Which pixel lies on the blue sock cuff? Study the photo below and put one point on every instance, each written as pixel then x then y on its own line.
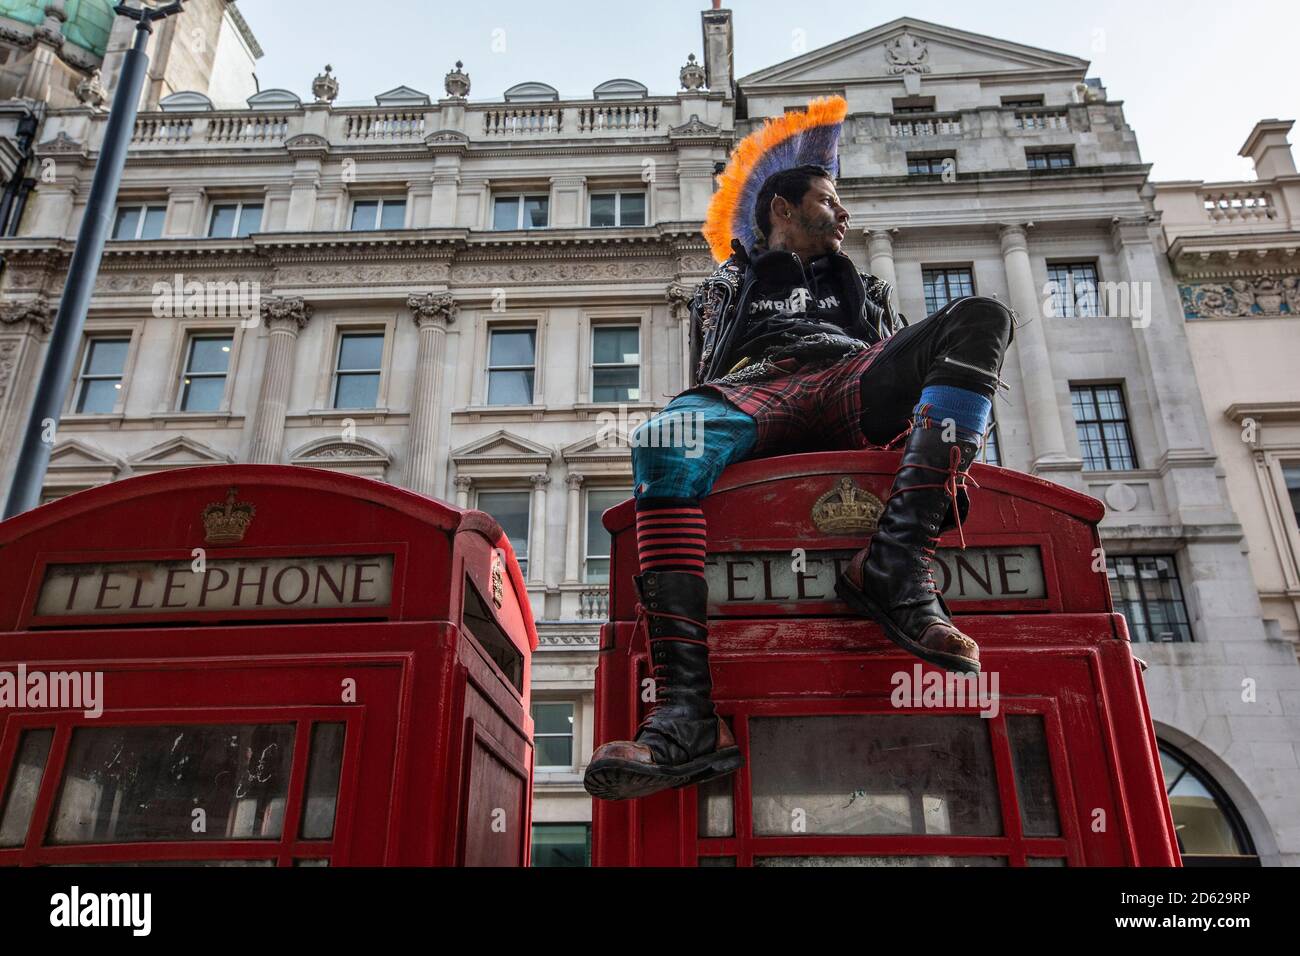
pixel 969 410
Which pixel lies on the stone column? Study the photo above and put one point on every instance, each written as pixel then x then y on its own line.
pixel 463 484
pixel 537 533
pixel 432 313
pixel 284 318
pixel 1045 431
pixel 880 258
pixel 1161 342
pixel 573 529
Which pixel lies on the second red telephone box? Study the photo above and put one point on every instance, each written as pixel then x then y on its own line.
pixel 259 665
pixel 858 753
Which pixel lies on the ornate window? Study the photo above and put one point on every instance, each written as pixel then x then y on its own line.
pixel 1291 475
pixel 512 366
pixel 521 212
pixel 618 209
pixel 1101 421
pixel 368 214
pixel 139 222
pixel 1049 158
pixel 235 220
pixel 991 452
pixel 616 363
pixel 357 369
pixel 930 165
pixel 1148 593
pixel 561 844
pixel 1074 289
pixel 512 510
pixel 203 381
pixel 1210 831
pixel 99 384
pixel 943 285
pixel 553 734
pixel 913 104
pixel 596 561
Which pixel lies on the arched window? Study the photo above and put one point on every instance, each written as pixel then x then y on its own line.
pixel 1210 830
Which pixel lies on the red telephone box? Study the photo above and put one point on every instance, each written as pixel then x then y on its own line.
pixel 857 753
pixel 262 665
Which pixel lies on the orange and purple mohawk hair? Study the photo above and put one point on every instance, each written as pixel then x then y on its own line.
pixel 811 136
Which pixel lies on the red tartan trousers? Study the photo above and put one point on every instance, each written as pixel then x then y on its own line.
pixel 811 407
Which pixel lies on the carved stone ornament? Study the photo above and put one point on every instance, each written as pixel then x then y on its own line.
pixel 907 54
pixel 37 311
pixel 433 305
pixel 679 300
pixel 339 450
pixel 1241 298
pixel 361 273
pixel 286 309
pixel 692 74
pixel 326 86
pixel 558 271
pixel 61 143
pixel 51 30
pixel 8 364
pixel 847 509
pixel 694 127
pixel 19 38
pixel 456 82
pixel 91 92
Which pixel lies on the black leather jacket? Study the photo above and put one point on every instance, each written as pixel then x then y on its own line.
pixel 718 311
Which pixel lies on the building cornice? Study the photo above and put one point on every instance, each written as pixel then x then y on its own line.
pixel 237 18
pixel 1263 411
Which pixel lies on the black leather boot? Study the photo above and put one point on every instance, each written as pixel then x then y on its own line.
pixel 892 579
pixel 682 740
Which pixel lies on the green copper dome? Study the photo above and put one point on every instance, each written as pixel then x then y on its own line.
pixel 87 26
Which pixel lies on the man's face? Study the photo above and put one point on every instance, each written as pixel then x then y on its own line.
pixel 818 224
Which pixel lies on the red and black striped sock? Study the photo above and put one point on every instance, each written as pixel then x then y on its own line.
pixel 670 534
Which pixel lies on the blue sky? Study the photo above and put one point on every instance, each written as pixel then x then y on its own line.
pixel 1194 75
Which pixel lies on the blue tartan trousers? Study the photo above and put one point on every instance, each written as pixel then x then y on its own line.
pixel 683 450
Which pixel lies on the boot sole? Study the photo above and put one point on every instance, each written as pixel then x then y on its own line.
pixel 864 605
pixel 614 779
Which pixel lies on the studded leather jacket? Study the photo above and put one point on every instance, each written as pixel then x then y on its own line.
pixel 719 314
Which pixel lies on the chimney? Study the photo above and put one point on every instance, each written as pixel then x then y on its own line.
pixel 718 68
pixel 1268 149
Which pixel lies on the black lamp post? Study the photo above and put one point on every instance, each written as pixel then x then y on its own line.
pixel 29 475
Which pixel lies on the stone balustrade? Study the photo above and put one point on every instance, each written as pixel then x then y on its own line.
pixel 1042 119
pixel 346 126
pixel 1239 205
pixel 935 125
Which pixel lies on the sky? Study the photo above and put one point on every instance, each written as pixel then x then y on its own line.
pixel 1194 75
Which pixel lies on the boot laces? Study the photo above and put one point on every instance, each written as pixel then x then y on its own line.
pixel 663 689
pixel 954 481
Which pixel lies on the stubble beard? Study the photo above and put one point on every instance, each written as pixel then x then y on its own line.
pixel 820 231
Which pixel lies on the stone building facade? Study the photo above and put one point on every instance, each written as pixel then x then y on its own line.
pixel 479 299
pixel 1233 247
